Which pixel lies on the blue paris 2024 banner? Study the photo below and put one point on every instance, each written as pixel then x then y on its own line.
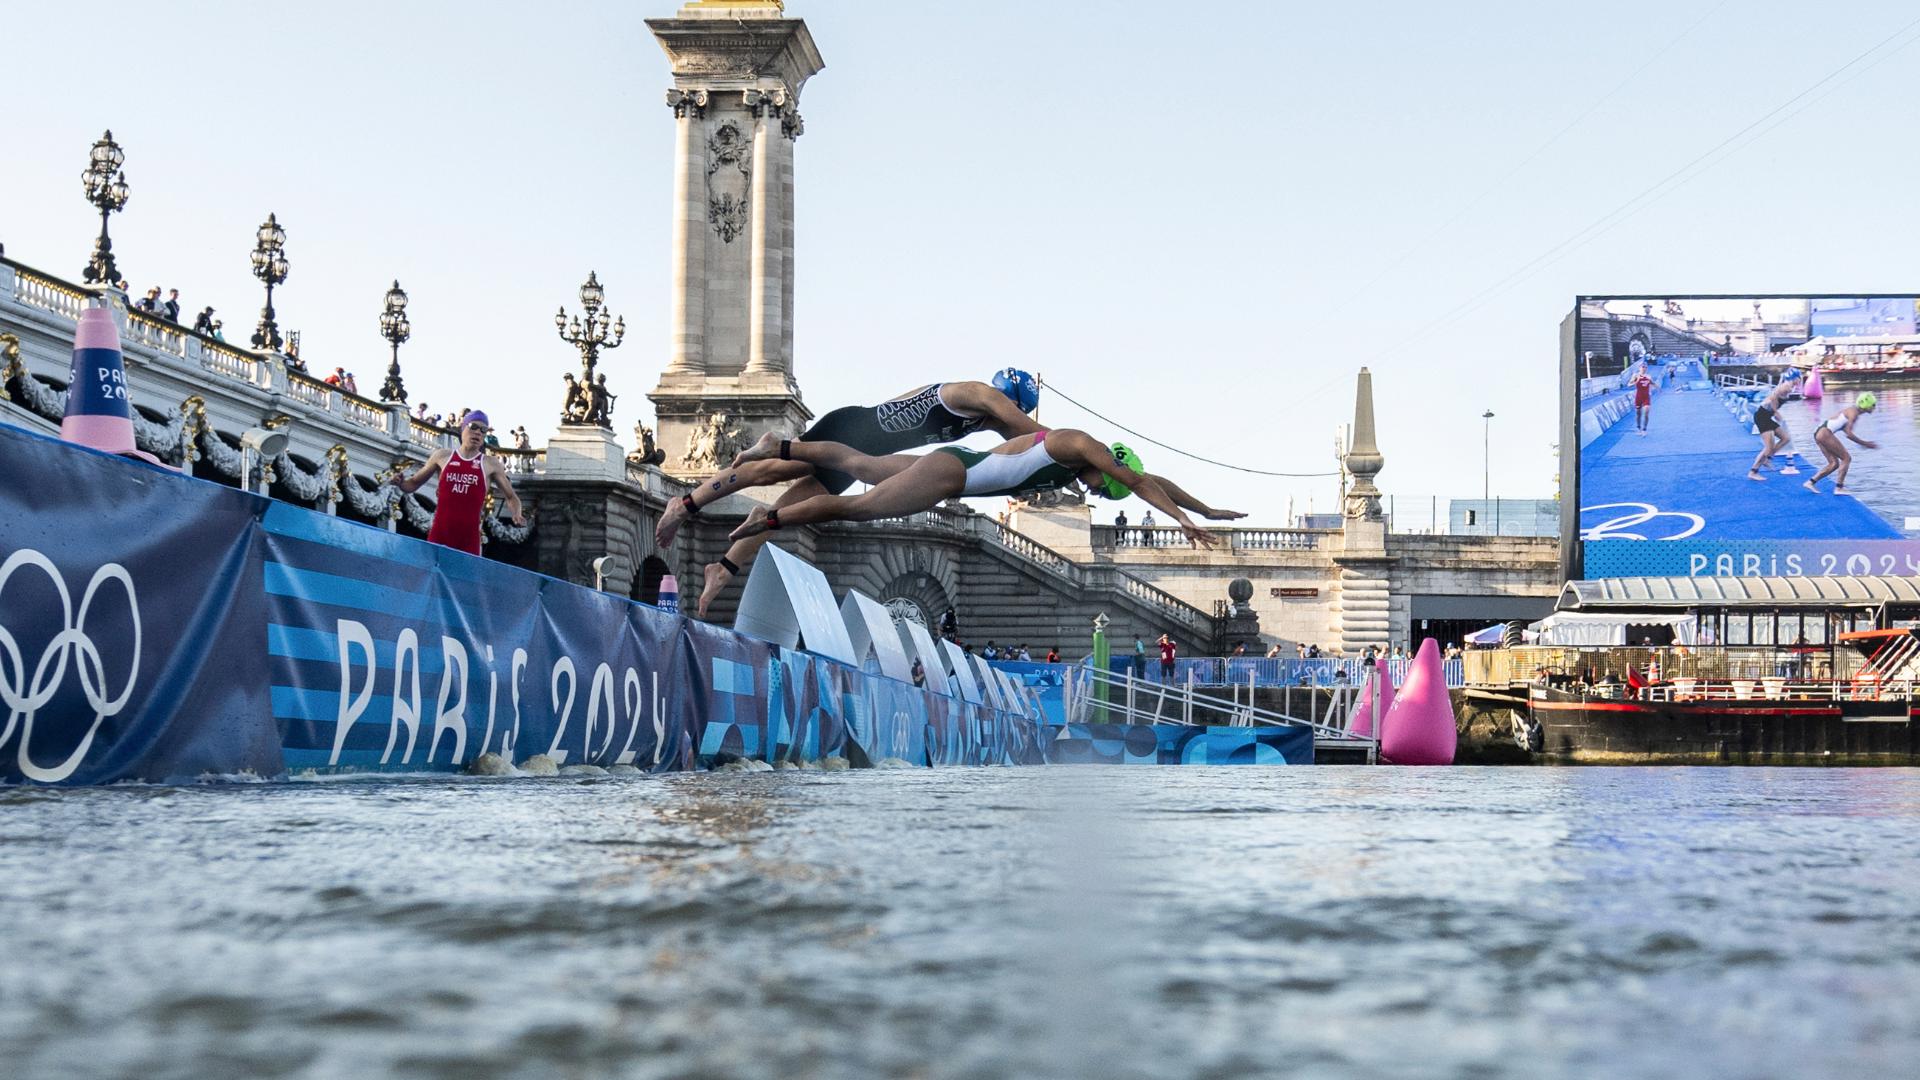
pixel 158 627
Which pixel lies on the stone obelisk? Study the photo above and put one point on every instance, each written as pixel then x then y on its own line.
pixel 738 66
pixel 1363 602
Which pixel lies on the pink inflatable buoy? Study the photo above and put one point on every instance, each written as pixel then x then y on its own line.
pixel 1813 389
pixel 1419 729
pixel 1361 722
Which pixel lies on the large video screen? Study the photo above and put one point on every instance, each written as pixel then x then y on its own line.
pixel 1754 436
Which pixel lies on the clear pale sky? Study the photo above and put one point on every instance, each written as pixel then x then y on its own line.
pixel 1200 219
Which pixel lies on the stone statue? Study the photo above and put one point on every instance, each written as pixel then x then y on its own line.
pixel 713 444
pixel 645 452
pixel 1071 495
pixel 599 403
pixel 578 403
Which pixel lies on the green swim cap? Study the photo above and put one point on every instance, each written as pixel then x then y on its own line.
pixel 1866 401
pixel 1122 455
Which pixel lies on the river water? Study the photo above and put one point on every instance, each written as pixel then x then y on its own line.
pixel 1072 922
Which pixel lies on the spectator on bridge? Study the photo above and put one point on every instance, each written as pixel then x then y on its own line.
pixel 521 441
pixel 338 378
pixel 1274 652
pixel 348 384
pixel 1147 521
pixel 919 672
pixel 217 335
pixel 149 303
pixel 993 651
pixel 1025 656
pixel 1053 655
pixel 1239 650
pixel 171 309
pixel 1139 657
pixel 1168 654
pixel 203 322
pixel 949 624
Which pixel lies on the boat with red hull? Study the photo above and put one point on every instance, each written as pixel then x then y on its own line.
pixel 1869 718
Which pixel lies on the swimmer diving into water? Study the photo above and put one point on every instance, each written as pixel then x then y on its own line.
pixel 1827 437
pixel 942 412
pixel 1043 461
pixel 939 413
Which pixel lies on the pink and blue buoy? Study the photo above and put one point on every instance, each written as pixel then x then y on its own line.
pixel 1419 730
pixel 1361 722
pixel 99 413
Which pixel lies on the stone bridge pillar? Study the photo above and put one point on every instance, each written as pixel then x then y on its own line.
pixel 738 67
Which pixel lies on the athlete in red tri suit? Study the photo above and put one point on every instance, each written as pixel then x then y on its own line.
pixel 1642 401
pixel 462 493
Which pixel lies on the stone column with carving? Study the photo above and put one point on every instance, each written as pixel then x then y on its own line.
pixel 688 347
pixel 766 226
pixel 733 241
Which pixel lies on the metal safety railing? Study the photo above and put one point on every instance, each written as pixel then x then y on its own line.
pixel 1091 695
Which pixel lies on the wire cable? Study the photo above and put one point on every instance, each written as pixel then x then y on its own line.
pixel 1183 453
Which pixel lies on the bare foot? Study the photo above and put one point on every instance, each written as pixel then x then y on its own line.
pixel 717 578
pixel 1841 491
pixel 670 522
pixel 1788 470
pixel 1809 486
pixel 1754 474
pixel 755 524
pixel 767 446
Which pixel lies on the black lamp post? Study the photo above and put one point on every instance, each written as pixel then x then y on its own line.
pixel 106 188
pixel 396 329
pixel 596 331
pixel 270 266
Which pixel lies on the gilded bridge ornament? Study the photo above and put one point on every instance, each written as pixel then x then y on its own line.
pixel 10 352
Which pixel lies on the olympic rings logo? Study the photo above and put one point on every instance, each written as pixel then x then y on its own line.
pixel 1616 528
pixel 25 692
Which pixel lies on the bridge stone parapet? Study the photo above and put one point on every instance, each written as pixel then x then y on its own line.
pixel 193 396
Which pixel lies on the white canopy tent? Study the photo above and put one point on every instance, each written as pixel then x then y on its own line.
pixel 1606 628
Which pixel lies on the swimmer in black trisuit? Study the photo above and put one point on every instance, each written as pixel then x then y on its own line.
pixel 940 413
pixel 1827 437
pixel 1043 461
pixel 1774 436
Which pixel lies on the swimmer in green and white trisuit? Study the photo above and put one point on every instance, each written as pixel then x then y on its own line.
pixel 1827 437
pixel 1043 461
pixel 1774 436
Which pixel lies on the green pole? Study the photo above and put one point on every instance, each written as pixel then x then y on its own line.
pixel 1100 665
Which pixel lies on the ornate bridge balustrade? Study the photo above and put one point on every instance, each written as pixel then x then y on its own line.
pixel 194 395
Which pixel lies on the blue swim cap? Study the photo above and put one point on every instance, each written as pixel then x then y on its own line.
pixel 1020 388
pixel 1790 374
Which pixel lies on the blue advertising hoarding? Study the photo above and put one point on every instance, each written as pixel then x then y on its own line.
pixel 158 627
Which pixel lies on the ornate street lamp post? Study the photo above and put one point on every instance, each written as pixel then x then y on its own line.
pixel 106 188
pixel 270 266
pixel 396 329
pixel 588 401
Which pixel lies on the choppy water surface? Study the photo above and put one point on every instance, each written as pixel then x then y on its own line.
pixel 1094 922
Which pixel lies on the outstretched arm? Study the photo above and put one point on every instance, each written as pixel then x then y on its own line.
pixel 1179 495
pixel 512 498
pixel 411 484
pixel 1081 449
